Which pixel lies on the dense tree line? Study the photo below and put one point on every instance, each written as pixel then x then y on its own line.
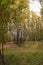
pixel 16 22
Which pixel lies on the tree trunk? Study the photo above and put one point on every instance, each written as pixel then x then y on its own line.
pixel 21 36
pixel 3 54
pixel 17 40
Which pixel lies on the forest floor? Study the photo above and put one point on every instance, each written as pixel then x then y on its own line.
pixel 28 46
pixel 30 53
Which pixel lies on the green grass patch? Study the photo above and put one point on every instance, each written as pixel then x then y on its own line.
pixel 18 56
pixel 24 58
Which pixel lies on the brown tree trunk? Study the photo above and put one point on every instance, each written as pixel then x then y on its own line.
pixel 21 36
pixel 3 63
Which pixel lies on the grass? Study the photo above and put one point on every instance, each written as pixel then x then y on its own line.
pixel 24 59
pixel 31 53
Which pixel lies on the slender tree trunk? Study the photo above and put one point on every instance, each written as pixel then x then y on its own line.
pixel 17 40
pixel 21 36
pixel 3 63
